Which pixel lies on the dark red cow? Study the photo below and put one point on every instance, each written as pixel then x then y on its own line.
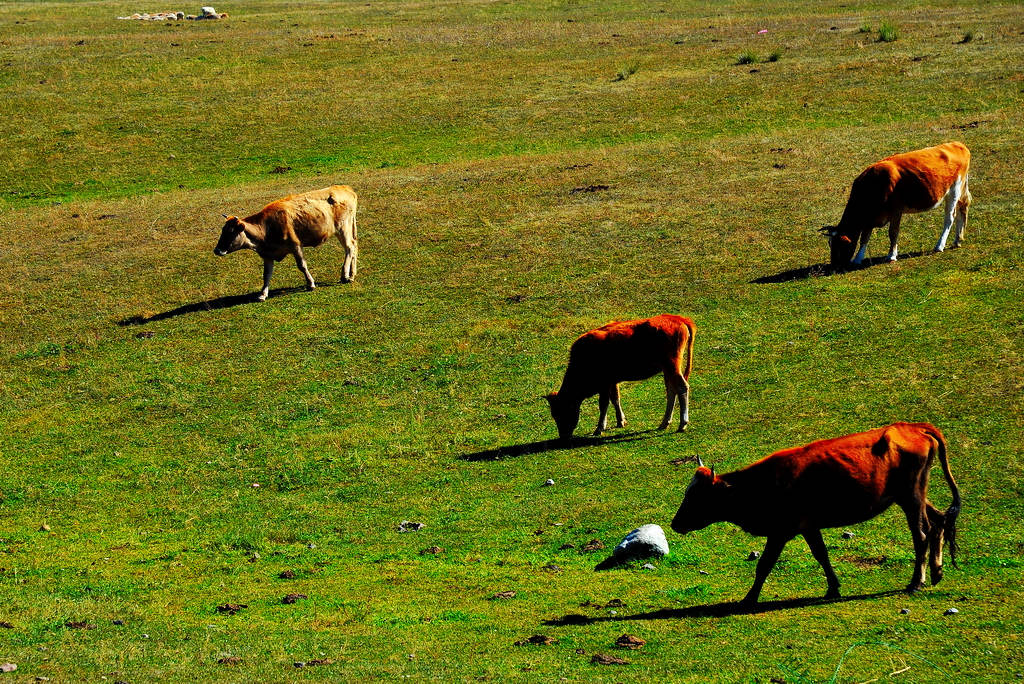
pixel 831 483
pixel 626 350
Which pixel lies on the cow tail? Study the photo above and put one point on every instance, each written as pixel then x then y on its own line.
pixel 690 329
pixel 949 517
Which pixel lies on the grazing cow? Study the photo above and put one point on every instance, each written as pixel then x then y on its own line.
pixel 625 350
pixel 286 226
pixel 831 483
pixel 903 184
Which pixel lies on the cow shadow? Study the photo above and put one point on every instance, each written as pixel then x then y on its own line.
pixel 717 609
pixel 825 270
pixel 226 302
pixel 525 449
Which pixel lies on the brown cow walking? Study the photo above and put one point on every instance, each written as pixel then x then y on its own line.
pixel 625 350
pixel 831 483
pixel 905 183
pixel 286 226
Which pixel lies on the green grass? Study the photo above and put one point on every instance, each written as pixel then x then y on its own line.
pixel 141 398
pixel 888 32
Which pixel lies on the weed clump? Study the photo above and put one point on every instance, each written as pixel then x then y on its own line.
pixel 747 58
pixel 970 35
pixel 887 32
pixel 626 71
pixel 775 55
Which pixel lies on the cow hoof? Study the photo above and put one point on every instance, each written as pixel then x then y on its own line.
pixel 892 260
pixel 914 587
pixel 682 428
pixel 832 594
pixel 345 280
pixel 261 297
pixel 663 426
pixel 936 576
pixel 621 424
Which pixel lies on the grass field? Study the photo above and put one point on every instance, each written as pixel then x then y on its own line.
pixel 144 396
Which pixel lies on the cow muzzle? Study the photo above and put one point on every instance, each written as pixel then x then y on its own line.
pixel 219 252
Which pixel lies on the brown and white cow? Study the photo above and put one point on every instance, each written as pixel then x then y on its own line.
pixel 625 350
pixel 286 226
pixel 831 483
pixel 905 183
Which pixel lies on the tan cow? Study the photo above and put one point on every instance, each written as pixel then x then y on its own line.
pixel 905 183
pixel 286 226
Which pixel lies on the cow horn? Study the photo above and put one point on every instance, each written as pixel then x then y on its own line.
pixel 712 473
pixel 700 463
pixel 224 215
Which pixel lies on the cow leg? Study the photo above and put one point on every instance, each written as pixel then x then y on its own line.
pixel 772 549
pixel 894 234
pixel 952 201
pixel 918 522
pixel 300 261
pixel 602 420
pixel 620 417
pixel 937 523
pixel 820 554
pixel 348 270
pixel 865 235
pixel 671 392
pixel 961 215
pixel 268 270
pixel 684 403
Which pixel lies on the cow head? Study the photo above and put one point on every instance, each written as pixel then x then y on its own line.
pixel 566 414
pixel 840 247
pixel 700 503
pixel 232 237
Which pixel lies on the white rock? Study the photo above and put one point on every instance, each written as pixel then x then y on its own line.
pixel 648 540
pixel 548 482
pixel 648 566
pixel 951 611
pixel 8 667
pixel 848 535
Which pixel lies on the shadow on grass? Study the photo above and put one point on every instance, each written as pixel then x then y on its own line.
pixel 716 610
pixel 823 270
pixel 213 304
pixel 554 445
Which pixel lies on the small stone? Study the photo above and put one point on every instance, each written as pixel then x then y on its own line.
pixel 431 551
pixel 592 545
pixel 904 611
pixel 118 622
pixel 4 624
pixel 8 667
pixel 848 535
pixel 286 574
pixel 310 546
pixel 615 603
pixel 253 557
pixel 299 663
pixel 601 659
pixel 754 555
pixel 503 595
pixel 548 482
pixel 410 526
pixel 292 598
pixel 951 611
pixel 80 624
pixel 41 678
pixel 551 567
pixel 566 547
pixel 145 636
pixel 648 566
pixel 230 660
pixel 704 572
pixel 255 485
pixel 44 528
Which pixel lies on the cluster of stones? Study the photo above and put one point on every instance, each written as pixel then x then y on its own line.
pixel 204 13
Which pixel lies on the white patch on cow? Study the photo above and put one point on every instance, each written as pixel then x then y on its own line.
pixel 861 253
pixel 952 198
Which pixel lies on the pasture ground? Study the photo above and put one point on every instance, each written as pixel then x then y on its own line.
pixel 143 398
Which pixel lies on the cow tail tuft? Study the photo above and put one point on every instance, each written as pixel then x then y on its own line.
pixel 950 516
